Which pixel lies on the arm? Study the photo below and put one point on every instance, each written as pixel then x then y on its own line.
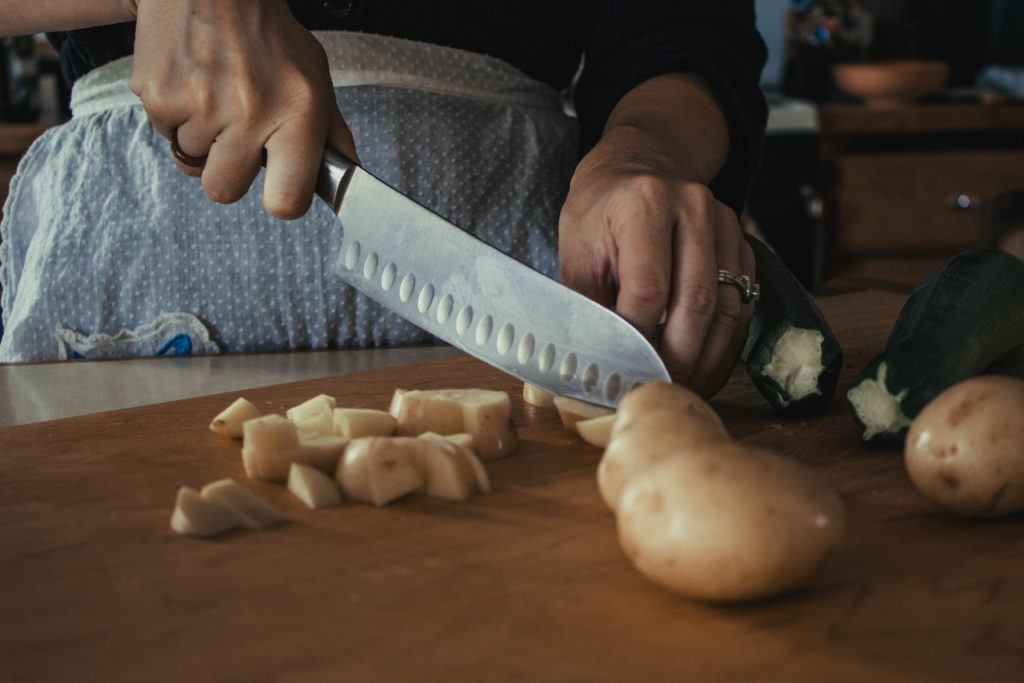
pixel 25 17
pixel 641 231
pixel 671 117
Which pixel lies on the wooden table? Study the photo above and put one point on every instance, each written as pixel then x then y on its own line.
pixel 525 584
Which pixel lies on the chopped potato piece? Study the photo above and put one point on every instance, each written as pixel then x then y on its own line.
pixel 251 510
pixel 269 445
pixel 322 452
pixel 596 430
pixel 314 406
pixel 313 487
pixel 270 433
pixel 229 421
pixel 197 516
pixel 536 396
pixel 485 414
pixel 447 472
pixel 572 410
pixel 355 422
pixel 380 469
pixel 319 424
pixel 463 440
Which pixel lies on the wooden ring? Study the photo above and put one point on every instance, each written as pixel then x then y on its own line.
pixel 187 160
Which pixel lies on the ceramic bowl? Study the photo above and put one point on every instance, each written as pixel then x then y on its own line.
pixel 893 83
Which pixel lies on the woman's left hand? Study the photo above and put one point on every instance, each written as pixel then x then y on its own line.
pixel 636 234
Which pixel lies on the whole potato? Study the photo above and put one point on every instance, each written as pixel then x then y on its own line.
pixel 653 420
pixel 965 450
pixel 728 522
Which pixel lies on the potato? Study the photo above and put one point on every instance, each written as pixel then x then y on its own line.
pixel 355 422
pixel 485 414
pixel 965 449
pixel 596 431
pixel 660 419
pixel 728 523
pixel 571 411
pixel 272 443
pixel 536 396
pixel 705 516
pixel 447 471
pixel 197 516
pixel 322 451
pixel 313 487
pixel 251 510
pixel 229 421
pixel 380 469
pixel 465 441
pixel 314 406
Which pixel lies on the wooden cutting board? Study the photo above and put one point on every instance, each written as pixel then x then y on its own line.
pixel 526 584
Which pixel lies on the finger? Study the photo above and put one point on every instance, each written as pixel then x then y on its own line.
pixel 731 319
pixel 232 165
pixel 716 380
pixel 694 300
pixel 294 153
pixel 339 136
pixel 194 139
pixel 645 267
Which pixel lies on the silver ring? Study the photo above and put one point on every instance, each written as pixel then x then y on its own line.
pixel 749 291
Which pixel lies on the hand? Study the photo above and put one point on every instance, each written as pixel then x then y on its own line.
pixel 234 78
pixel 650 245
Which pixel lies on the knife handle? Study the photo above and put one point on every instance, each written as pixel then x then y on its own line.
pixel 335 172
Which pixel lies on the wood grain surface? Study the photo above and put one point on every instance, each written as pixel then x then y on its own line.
pixel 524 584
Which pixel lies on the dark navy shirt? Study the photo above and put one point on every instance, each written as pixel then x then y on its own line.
pixel 624 42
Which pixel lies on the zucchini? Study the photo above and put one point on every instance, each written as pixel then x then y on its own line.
pixel 791 354
pixel 966 315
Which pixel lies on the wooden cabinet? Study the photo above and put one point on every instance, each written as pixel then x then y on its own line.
pixel 906 188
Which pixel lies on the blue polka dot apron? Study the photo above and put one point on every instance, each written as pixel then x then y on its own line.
pixel 109 251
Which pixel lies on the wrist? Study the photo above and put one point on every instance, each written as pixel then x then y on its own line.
pixel 671 124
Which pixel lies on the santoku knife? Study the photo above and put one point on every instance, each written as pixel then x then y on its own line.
pixel 457 287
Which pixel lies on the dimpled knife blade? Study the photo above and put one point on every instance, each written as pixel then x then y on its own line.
pixel 457 287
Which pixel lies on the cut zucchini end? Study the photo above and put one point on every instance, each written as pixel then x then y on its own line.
pixel 796 364
pixel 879 411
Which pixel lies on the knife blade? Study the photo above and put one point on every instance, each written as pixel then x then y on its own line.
pixel 477 298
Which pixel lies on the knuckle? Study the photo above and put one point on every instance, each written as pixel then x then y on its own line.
pixel 648 291
pixel 699 299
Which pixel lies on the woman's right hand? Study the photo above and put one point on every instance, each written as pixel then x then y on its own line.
pixel 232 78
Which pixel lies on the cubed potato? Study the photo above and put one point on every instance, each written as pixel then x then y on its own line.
pixel 571 411
pixel 353 423
pixel 485 414
pixel 314 406
pixel 197 516
pixel 314 488
pixel 229 421
pixel 251 510
pixel 380 469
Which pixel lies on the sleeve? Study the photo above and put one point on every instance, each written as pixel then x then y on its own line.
pixel 633 40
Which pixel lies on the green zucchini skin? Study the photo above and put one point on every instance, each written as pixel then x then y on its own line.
pixel 784 306
pixel 966 315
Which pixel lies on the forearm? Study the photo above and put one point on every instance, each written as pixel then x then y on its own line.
pixel 24 17
pixel 672 124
